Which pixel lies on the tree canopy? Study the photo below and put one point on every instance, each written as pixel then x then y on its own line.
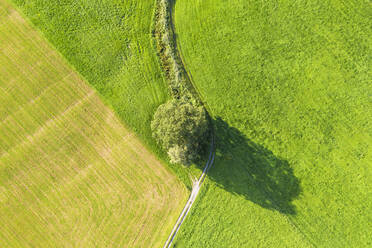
pixel 181 128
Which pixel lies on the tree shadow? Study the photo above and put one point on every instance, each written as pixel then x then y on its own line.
pixel 248 169
pixel 245 168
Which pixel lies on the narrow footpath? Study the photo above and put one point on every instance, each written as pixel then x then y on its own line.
pixel 194 193
pixel 197 184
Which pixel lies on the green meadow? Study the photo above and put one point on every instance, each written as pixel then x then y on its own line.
pixel 287 83
pixel 109 43
pixel 289 86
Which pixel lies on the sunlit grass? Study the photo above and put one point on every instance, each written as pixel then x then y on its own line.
pixel 290 81
pixel 110 44
pixel 71 175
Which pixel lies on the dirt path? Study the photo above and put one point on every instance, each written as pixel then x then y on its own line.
pixel 194 193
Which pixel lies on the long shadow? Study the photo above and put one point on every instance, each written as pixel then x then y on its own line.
pixel 248 169
pixel 245 168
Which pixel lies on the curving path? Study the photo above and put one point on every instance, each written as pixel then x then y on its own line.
pixel 197 184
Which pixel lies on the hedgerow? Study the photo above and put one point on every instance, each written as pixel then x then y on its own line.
pixel 182 150
pixel 179 84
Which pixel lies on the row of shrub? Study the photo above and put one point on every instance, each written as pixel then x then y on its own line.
pixel 181 125
pixel 179 84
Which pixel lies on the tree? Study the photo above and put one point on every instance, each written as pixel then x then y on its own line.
pixel 181 128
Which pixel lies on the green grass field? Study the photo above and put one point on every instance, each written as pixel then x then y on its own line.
pixel 71 175
pixel 289 83
pixel 110 44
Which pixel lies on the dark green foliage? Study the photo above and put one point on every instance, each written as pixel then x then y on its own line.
pixel 166 50
pixel 163 32
pixel 181 128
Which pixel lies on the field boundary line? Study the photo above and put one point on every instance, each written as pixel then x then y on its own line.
pixel 180 84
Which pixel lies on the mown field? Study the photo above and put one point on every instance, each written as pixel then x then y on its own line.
pixel 289 84
pixel 110 44
pixel 71 175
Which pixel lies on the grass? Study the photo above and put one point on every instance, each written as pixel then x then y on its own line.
pixel 288 83
pixel 71 175
pixel 111 45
